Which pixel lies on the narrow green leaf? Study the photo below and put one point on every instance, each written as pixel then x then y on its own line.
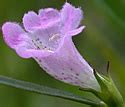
pixel 45 90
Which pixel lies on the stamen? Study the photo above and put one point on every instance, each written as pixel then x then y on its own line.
pixel 54 37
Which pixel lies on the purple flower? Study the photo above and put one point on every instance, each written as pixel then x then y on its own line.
pixel 47 38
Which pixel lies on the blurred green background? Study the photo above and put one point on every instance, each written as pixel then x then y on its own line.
pixel 103 40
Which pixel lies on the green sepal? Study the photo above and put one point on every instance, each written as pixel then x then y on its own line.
pixel 109 93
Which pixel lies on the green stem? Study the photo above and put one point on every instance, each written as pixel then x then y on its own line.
pixel 46 90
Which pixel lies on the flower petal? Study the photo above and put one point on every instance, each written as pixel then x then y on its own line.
pixel 30 20
pixel 34 53
pixel 71 16
pixel 48 15
pixel 75 32
pixel 12 32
